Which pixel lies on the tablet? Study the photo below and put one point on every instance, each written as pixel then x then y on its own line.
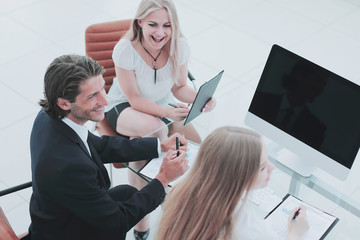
pixel 205 93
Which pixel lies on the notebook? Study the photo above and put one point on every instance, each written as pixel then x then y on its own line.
pixel 205 93
pixel 320 222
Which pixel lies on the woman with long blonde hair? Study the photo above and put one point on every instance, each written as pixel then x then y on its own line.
pixel 151 65
pixel 210 202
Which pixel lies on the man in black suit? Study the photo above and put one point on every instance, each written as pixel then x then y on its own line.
pixel 72 198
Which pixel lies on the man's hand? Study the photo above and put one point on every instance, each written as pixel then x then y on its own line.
pixel 172 167
pixel 170 143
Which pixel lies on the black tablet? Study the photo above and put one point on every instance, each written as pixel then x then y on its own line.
pixel 205 93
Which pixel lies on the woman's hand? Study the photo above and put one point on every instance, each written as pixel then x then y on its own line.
pixel 177 113
pixel 210 105
pixel 298 227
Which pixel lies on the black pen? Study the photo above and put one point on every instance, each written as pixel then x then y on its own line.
pixel 177 147
pixel 173 105
pixel 295 215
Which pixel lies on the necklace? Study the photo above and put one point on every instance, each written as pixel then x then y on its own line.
pixel 154 58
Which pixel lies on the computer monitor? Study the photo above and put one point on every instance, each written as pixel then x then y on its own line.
pixel 311 112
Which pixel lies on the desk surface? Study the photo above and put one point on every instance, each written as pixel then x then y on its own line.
pixel 323 192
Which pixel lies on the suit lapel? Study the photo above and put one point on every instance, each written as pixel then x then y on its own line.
pixel 97 160
pixel 94 157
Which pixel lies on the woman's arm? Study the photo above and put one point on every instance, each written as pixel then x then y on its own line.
pixel 127 82
pixel 182 91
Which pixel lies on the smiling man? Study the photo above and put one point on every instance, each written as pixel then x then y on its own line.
pixel 72 198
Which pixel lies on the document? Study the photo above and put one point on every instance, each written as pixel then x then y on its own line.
pixel 320 222
pixel 153 167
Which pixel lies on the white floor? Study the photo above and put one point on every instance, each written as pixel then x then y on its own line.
pixel 234 35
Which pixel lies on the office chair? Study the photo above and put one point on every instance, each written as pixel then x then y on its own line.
pixel 6 231
pixel 100 40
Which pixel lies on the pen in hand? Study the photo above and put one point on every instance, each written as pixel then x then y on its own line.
pixel 295 215
pixel 173 105
pixel 177 146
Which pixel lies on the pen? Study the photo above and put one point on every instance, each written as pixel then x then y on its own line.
pixel 295 215
pixel 173 105
pixel 177 147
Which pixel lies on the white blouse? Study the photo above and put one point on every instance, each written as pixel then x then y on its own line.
pixel 126 57
pixel 250 227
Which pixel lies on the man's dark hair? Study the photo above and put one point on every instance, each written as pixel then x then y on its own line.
pixel 62 80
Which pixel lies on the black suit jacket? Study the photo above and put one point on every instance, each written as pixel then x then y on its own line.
pixel 70 198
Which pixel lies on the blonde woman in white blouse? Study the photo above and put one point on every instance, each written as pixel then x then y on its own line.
pixel 151 64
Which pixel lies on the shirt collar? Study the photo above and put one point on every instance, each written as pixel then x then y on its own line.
pixel 82 131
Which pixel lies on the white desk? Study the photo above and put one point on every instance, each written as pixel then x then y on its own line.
pixel 319 193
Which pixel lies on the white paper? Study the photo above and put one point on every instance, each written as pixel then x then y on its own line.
pixel 153 167
pixel 318 220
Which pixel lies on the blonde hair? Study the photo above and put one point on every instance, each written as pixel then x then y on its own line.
pixel 201 206
pixel 135 33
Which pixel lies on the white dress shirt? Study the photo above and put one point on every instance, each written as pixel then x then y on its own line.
pixel 251 227
pixel 80 130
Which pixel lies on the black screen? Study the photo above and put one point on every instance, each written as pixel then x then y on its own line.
pixel 310 103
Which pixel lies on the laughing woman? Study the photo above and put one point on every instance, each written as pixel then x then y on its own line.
pixel 151 64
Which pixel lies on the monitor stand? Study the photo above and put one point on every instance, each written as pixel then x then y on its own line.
pixel 292 161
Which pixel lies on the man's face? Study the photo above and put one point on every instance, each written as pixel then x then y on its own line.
pixel 90 103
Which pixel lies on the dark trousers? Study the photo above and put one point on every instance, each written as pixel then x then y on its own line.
pixel 119 193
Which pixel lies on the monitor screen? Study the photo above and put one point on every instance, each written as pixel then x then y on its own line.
pixel 315 106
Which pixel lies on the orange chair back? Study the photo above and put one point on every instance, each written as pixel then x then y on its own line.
pixel 100 40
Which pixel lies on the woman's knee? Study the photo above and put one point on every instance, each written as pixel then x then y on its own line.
pixel 150 125
pixel 135 124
